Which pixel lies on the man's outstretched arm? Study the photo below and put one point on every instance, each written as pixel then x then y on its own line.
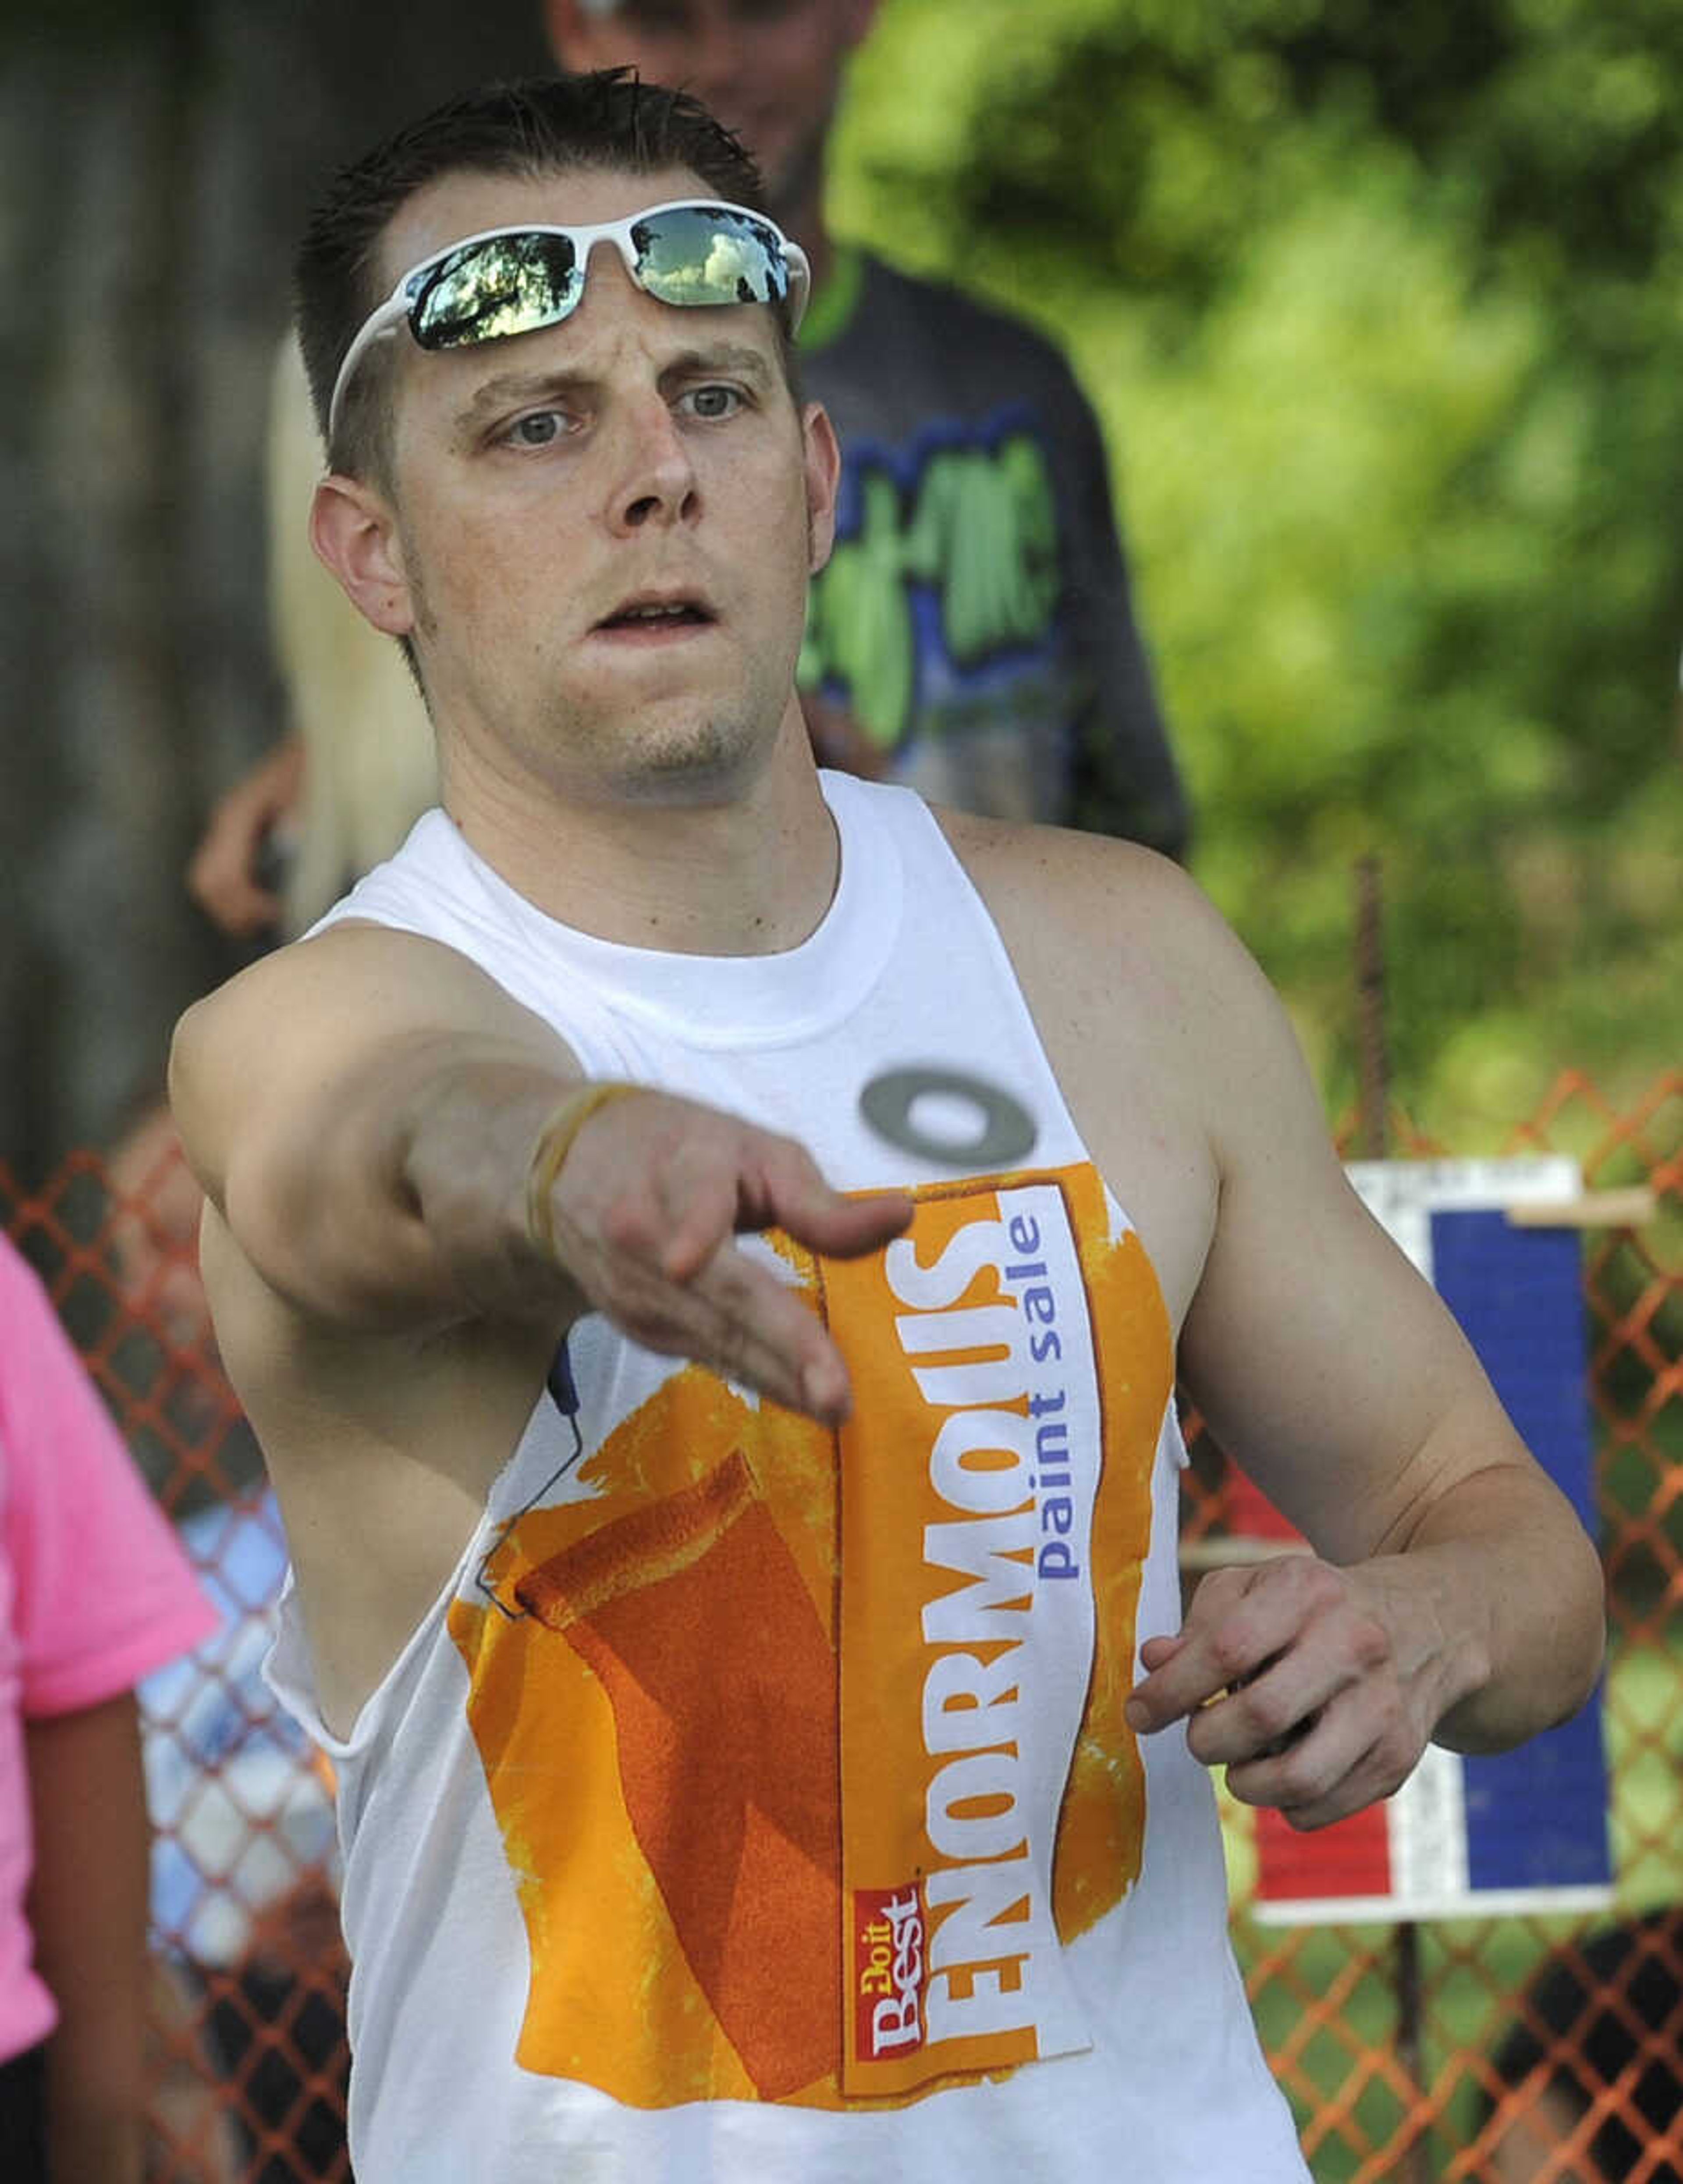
pixel 376 1123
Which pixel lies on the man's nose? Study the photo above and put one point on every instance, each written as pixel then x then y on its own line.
pixel 655 479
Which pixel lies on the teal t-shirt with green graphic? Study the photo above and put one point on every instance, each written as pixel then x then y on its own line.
pixel 974 629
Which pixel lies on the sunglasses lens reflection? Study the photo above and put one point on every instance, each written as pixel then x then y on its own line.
pixel 510 284
pixel 516 283
pixel 699 256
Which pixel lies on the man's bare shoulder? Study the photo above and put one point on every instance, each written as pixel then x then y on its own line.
pixel 316 1009
pixel 357 973
pixel 1067 876
pixel 1111 923
pixel 1147 1008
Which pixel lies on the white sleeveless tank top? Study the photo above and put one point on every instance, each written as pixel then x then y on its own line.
pixel 755 1804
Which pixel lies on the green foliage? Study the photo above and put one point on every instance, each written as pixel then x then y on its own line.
pixel 1382 309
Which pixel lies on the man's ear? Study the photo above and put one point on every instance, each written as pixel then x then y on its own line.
pixel 823 476
pixel 355 535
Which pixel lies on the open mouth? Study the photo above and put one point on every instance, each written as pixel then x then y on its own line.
pixel 655 617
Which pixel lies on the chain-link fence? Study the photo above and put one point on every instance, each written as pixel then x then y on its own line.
pixel 1490 2049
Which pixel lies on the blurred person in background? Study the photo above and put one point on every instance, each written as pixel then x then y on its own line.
pixel 94 1593
pixel 1606 2014
pixel 975 636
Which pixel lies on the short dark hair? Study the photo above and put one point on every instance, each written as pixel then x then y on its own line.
pixel 549 125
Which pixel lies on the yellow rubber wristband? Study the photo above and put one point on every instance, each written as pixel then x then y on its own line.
pixel 554 1143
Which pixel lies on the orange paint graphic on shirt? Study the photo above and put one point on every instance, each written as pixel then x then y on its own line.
pixel 807 1749
pixel 752 1775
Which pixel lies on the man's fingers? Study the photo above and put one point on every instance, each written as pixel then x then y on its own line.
pixel 1346 1758
pixel 851 1226
pixel 709 1177
pixel 1239 1623
pixel 645 1212
pixel 735 1317
pixel 798 1199
pixel 1287 1677
pixel 707 1208
pixel 1149 1706
pixel 1263 1713
pixel 1188 1673
pixel 760 1333
pixel 701 1212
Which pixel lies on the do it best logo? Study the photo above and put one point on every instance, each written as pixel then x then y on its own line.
pixel 888 1958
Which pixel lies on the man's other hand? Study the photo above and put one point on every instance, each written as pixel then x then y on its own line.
pixel 1314 1686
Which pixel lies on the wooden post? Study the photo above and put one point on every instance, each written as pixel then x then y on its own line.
pixel 1373 1053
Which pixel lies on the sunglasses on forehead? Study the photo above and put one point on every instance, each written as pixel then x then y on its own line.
pixel 693 252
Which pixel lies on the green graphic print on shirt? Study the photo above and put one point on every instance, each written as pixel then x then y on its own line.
pixel 944 581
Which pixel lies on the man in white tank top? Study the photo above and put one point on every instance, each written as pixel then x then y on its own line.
pixel 732 1522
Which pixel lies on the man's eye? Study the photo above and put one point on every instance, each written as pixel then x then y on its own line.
pixel 539 430
pixel 714 401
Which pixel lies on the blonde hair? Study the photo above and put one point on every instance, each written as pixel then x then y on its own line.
pixel 370 764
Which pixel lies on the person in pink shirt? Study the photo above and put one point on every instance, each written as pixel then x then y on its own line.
pixel 94 1592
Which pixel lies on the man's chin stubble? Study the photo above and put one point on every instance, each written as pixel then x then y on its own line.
pixel 706 763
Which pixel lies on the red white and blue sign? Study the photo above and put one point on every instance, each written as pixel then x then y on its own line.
pixel 1525 1830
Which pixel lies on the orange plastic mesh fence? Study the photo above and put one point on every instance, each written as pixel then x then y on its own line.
pixel 1462 2050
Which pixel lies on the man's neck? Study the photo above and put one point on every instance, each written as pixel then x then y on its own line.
pixel 751 875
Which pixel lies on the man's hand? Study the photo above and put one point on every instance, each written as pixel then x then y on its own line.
pixel 1318 1688
pixel 223 877
pixel 645 1213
